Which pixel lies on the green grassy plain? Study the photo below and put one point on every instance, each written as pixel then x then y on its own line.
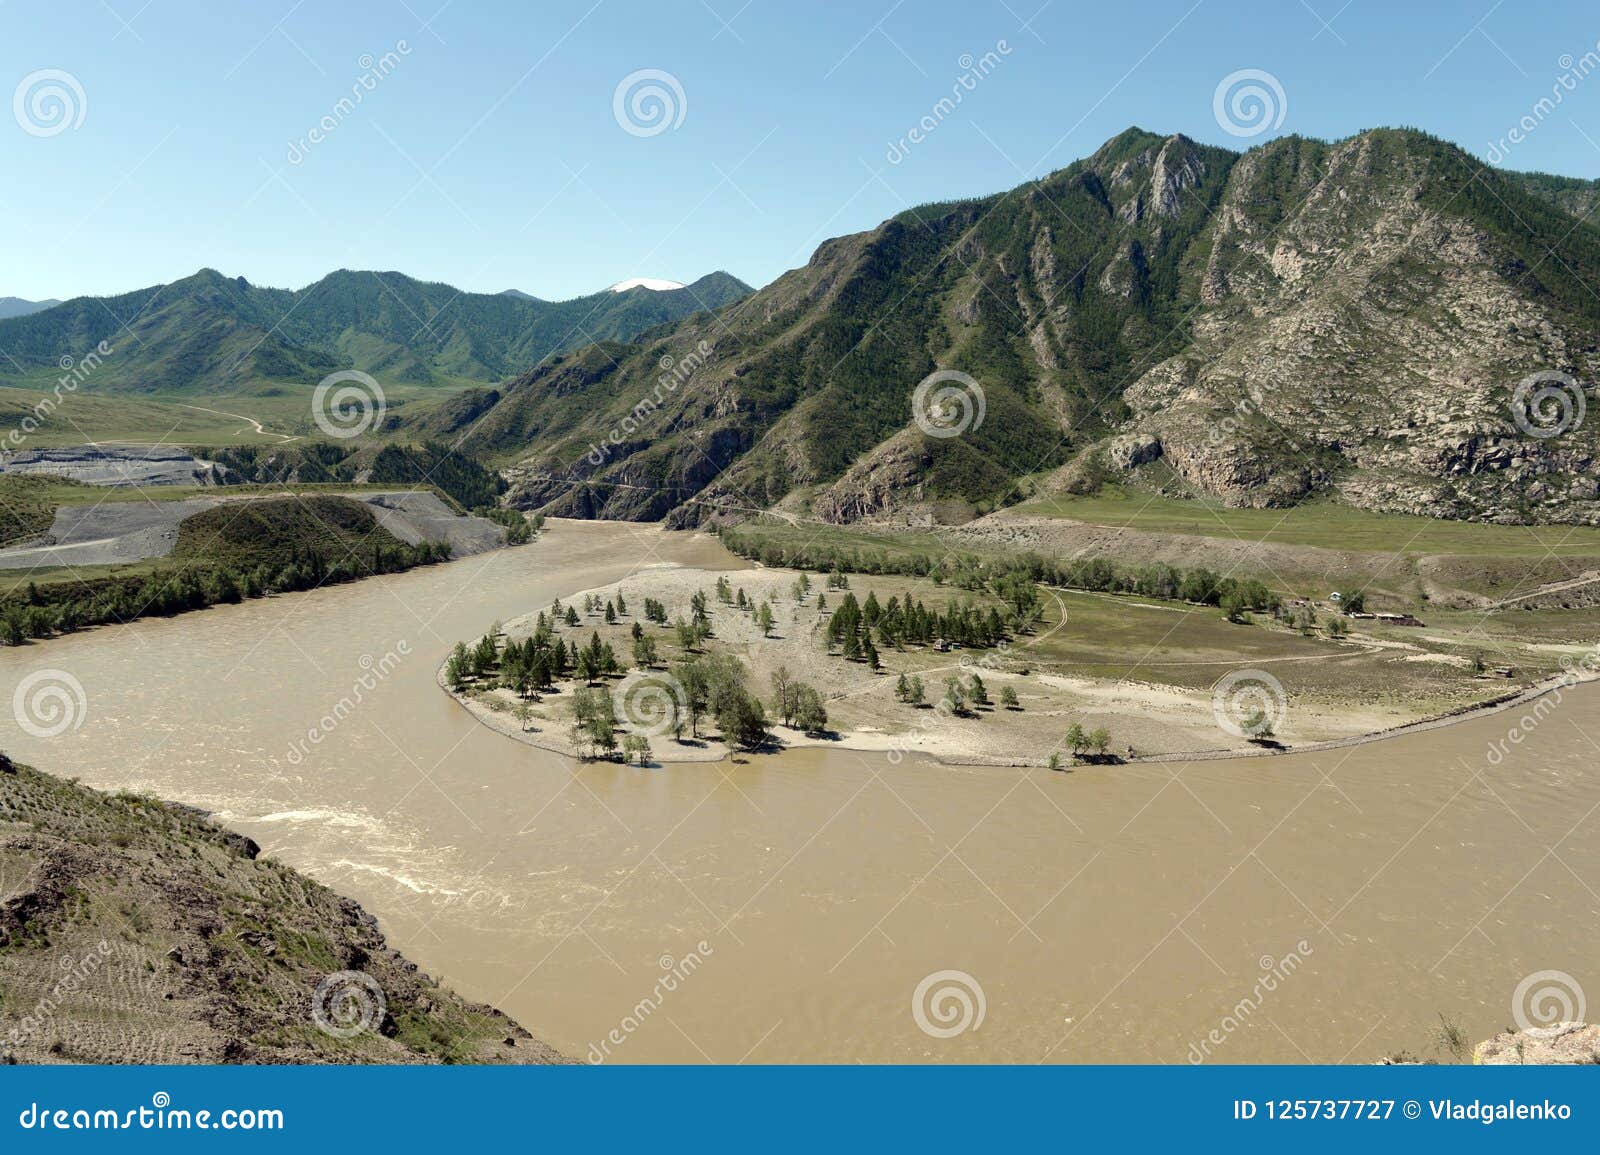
pixel 1323 524
pixel 283 410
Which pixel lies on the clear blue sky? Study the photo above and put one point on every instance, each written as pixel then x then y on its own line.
pixel 490 157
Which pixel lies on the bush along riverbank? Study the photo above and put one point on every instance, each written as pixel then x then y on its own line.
pixel 223 556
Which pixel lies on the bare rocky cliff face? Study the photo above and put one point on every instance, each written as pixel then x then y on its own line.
pixel 1372 346
pixel 1382 320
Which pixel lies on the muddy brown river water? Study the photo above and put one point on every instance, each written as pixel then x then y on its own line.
pixel 1326 907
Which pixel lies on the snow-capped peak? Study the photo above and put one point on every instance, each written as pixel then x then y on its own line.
pixel 656 283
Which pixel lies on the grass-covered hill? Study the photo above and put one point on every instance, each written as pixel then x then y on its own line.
pixel 211 334
pixel 461 478
pixel 1345 319
pixel 138 931
pixel 281 542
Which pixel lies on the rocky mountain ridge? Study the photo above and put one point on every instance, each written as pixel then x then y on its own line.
pixel 1365 319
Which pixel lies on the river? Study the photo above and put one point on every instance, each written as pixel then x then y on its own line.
pixel 1319 907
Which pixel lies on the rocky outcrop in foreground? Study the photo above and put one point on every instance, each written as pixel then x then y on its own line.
pixel 138 931
pixel 1564 1043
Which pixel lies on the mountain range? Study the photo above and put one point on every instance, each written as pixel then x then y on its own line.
pixel 208 333
pixel 1347 320
pixel 18 307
